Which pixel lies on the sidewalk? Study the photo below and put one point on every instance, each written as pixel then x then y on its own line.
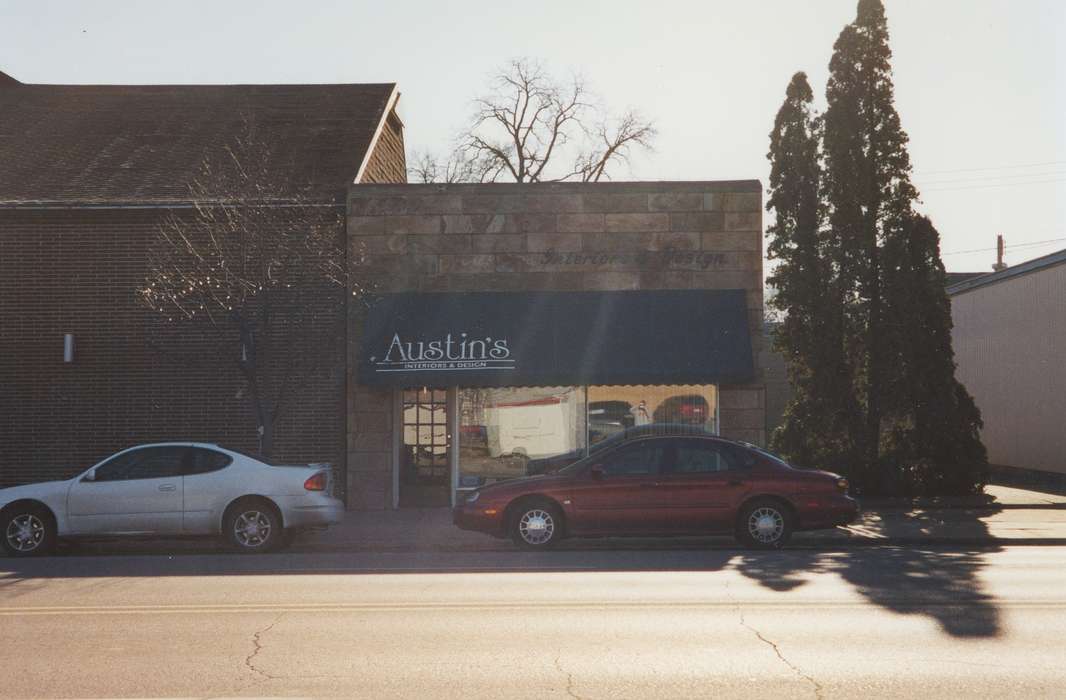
pixel 1006 516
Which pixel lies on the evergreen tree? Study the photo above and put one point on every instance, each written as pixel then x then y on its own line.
pixel 933 438
pixel 817 425
pixel 917 427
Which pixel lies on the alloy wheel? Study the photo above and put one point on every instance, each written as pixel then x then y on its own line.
pixel 252 529
pixel 536 526
pixel 766 525
pixel 25 532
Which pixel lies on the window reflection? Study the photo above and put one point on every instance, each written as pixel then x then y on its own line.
pixel 615 408
pixel 501 430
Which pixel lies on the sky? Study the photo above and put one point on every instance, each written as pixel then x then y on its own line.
pixel 980 84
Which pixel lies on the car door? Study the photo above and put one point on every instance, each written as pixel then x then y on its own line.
pixel 207 485
pixel 136 492
pixel 623 498
pixel 702 485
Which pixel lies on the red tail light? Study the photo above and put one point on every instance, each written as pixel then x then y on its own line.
pixel 318 482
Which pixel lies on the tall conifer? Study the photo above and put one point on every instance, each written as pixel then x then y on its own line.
pixel 817 425
pixel 870 355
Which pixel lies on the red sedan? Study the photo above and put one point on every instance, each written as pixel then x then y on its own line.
pixel 663 485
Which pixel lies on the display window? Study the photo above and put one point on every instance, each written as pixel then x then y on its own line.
pixel 505 433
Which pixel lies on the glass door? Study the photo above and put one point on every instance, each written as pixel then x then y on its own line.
pixel 425 453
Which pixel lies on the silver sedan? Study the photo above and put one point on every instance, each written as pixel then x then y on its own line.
pixel 171 489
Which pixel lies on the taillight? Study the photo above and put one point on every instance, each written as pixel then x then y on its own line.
pixel 318 482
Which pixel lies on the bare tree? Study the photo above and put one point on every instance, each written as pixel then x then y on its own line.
pixel 258 267
pixel 532 128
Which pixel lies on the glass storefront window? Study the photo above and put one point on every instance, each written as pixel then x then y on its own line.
pixel 502 430
pixel 512 432
pixel 611 409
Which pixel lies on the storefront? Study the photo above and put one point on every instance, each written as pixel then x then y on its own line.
pixel 469 367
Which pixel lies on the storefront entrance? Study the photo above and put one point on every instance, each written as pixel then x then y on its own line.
pixel 426 450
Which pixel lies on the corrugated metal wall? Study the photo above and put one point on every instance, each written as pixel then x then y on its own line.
pixel 1010 346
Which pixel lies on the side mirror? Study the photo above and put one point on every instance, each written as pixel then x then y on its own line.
pixel 89 475
pixel 596 472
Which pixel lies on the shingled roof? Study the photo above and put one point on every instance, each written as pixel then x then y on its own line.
pixel 141 144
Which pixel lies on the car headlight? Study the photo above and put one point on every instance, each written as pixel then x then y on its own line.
pixel 473 497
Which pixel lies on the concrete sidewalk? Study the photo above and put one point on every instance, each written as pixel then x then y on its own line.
pixel 1010 516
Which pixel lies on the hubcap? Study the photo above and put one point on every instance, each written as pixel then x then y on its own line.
pixel 25 532
pixel 766 525
pixel 536 526
pixel 251 528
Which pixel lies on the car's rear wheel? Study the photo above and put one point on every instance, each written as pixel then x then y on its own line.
pixel 536 524
pixel 252 525
pixel 27 531
pixel 765 524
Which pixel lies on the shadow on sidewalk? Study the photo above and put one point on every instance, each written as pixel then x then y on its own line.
pixel 941 583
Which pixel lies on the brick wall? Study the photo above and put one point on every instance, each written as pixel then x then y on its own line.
pixel 75 271
pixel 388 162
pixel 561 237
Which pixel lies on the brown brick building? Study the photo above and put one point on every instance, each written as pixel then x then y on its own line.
pixel 86 175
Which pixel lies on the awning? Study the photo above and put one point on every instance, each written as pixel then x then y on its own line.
pixel 557 338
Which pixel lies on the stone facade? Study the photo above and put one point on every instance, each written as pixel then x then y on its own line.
pixel 556 237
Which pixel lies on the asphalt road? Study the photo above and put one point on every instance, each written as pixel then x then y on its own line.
pixel 870 622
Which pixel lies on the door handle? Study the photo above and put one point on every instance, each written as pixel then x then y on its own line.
pixel 734 482
pixel 167 487
pixel 649 486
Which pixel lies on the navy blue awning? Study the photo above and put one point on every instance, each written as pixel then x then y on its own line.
pixel 557 338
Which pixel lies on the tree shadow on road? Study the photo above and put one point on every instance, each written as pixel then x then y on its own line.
pixel 904 576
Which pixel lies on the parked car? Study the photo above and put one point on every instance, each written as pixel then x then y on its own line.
pixel 663 485
pixel 691 409
pixel 171 489
pixel 550 465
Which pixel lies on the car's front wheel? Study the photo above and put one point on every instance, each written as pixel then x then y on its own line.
pixel 536 525
pixel 765 524
pixel 252 525
pixel 27 531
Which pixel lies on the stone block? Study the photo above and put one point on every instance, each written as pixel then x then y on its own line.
pixel 608 281
pixel 675 240
pixel 738 398
pixel 405 204
pixel 675 201
pixel 738 201
pixel 379 245
pixel 733 240
pixel 617 202
pixel 366 225
pixel 725 279
pixel 370 442
pixel 581 223
pixel 490 243
pixel 370 463
pixel 743 419
pixel 512 263
pixel 446 245
pixel 696 221
pixel 543 242
pixel 467 264
pixel 415 224
pixel 638 222
pixel 552 203
pixel 492 203
pixel 743 221
pixel 529 223
pixel 617 241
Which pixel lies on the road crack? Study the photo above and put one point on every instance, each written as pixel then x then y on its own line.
pixel 257 643
pixel 819 691
pixel 569 679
